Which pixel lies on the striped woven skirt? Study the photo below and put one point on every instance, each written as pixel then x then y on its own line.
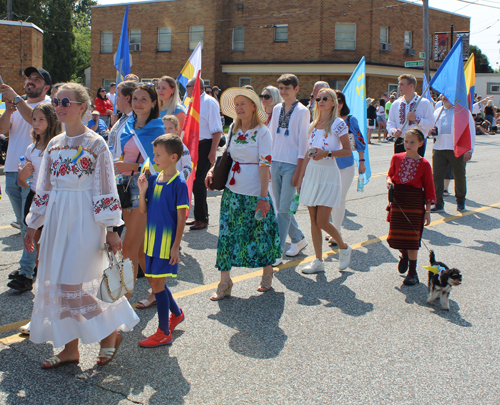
pixel 406 231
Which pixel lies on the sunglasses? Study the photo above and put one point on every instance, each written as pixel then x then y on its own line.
pixel 312 96
pixel 103 91
pixel 324 99
pixel 265 96
pixel 65 102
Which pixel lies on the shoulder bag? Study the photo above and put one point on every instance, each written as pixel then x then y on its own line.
pixel 222 167
pixel 124 191
pixel 352 141
pixel 117 279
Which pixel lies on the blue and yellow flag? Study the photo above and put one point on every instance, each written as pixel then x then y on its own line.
pixel 355 96
pixel 2 105
pixel 191 68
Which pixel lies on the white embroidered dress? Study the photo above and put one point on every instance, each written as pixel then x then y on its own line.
pixel 322 185
pixel 76 200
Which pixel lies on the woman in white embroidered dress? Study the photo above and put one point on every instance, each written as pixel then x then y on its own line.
pixel 76 200
pixel 321 185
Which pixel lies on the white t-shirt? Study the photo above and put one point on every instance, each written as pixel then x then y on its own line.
pixel 381 111
pixel 250 150
pixel 111 98
pixel 210 122
pixel 184 165
pixel 19 138
pixel 332 141
pixel 35 157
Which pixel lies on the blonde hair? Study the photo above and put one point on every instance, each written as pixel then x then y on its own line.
pixel 334 113
pixel 489 103
pixel 174 100
pixel 173 119
pixel 80 92
pixel 256 121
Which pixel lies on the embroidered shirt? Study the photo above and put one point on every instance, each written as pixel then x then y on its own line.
pixel 400 109
pixel 284 119
pixel 331 142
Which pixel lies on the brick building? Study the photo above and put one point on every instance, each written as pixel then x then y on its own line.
pixel 253 42
pixel 22 46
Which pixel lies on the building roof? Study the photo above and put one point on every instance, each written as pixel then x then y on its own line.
pixel 128 3
pixel 20 23
pixel 434 8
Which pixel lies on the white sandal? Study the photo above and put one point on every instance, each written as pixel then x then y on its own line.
pixel 55 362
pixel 25 330
pixel 109 353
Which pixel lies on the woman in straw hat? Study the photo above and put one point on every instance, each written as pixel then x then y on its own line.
pixel 321 185
pixel 248 232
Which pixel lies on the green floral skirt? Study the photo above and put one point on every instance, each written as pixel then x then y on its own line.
pixel 244 241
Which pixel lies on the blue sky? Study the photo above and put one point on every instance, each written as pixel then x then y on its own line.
pixel 485 22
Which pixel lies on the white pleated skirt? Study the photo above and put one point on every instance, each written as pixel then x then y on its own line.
pixel 322 185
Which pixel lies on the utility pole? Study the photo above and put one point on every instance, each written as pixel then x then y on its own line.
pixel 427 69
pixel 9 10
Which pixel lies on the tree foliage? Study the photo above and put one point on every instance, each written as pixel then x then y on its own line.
pixel 482 63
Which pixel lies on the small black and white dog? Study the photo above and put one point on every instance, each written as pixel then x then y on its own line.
pixel 440 283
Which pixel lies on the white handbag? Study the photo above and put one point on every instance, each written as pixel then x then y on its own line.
pixel 117 279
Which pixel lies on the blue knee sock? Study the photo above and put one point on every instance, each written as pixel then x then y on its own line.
pixel 162 304
pixel 174 308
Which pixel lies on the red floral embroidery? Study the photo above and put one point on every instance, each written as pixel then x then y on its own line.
pixel 108 203
pixel 85 163
pixel 402 112
pixel 408 169
pixel 41 200
pixel 63 166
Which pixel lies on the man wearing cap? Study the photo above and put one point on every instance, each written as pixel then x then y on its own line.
pixel 97 125
pixel 17 122
pixel 210 133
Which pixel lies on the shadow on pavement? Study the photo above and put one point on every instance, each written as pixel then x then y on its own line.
pixel 313 290
pixel 12 243
pixel 377 254
pixel 437 238
pixel 418 295
pixel 189 270
pixel 486 246
pixel 258 333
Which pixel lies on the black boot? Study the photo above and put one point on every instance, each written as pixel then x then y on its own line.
pixel 403 261
pixel 412 277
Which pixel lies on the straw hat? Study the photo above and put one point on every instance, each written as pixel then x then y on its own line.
pixel 95 112
pixel 227 102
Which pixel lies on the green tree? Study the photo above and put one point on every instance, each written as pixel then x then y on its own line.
pixel 82 44
pixel 482 63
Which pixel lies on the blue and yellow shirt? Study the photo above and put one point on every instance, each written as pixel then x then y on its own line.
pixel 164 199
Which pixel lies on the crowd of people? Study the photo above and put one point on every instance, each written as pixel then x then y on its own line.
pixel 86 180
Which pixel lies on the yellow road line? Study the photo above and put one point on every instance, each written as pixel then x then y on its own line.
pixel 254 274
pixel 7 227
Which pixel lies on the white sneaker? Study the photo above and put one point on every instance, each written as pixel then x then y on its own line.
pixel 278 261
pixel 295 248
pixel 25 330
pixel 315 267
pixel 15 225
pixel 345 258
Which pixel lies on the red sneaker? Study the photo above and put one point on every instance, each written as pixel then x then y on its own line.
pixel 173 321
pixel 158 339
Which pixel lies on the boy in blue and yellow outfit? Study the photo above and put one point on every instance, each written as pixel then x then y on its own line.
pixel 164 196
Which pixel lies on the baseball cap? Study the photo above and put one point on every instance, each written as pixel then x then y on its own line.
pixel 42 72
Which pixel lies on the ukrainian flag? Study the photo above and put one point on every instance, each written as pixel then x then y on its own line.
pixel 191 68
pixel 470 79
pixel 2 105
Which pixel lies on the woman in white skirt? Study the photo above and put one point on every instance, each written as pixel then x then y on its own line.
pixel 76 201
pixel 321 186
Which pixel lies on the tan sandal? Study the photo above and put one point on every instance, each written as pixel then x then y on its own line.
pixel 55 362
pixel 145 303
pixel 223 290
pixel 266 282
pixel 109 353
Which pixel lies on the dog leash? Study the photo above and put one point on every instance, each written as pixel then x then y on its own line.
pixel 422 240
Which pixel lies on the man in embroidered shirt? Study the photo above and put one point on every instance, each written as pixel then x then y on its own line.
pixel 210 133
pixel 443 155
pixel 289 128
pixel 422 117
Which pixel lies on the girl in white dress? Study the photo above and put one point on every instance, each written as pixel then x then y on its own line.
pixel 76 200
pixel 321 186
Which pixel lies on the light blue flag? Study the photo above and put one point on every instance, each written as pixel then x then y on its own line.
pixel 122 59
pixel 427 94
pixel 355 96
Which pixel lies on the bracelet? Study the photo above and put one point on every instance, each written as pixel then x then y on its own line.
pixel 262 198
pixel 110 229
pixel 361 160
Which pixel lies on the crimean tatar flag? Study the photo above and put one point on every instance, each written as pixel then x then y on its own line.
pixel 470 79
pixel 450 81
pixel 191 135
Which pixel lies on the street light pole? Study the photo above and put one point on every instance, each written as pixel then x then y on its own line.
pixel 9 9
pixel 427 69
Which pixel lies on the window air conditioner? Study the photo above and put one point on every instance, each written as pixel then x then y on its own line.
pixel 410 52
pixel 385 47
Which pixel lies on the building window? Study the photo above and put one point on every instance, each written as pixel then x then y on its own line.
pixel 337 84
pixel 107 82
pixel 384 35
pixel 281 33
pixel 408 39
pixel 164 40
pixel 391 88
pixel 493 88
pixel 106 41
pixel 134 39
pixel 243 81
pixel 195 36
pixel 206 82
pixel 238 38
pixel 345 36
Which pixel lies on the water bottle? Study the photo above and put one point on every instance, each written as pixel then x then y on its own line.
pixel 29 180
pixel 361 183
pixel 295 204
pixel 258 215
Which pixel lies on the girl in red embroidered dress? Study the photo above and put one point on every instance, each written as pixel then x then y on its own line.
pixel 411 177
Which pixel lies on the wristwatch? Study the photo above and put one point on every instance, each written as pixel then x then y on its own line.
pixel 329 154
pixel 17 100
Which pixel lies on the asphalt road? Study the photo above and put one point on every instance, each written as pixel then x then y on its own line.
pixel 357 337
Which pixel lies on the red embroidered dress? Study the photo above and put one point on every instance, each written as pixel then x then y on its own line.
pixel 76 200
